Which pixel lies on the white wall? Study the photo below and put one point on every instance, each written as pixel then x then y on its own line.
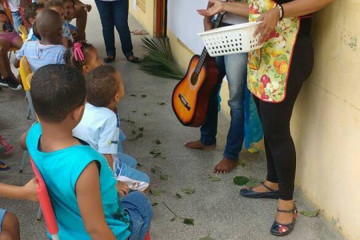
pixel 184 22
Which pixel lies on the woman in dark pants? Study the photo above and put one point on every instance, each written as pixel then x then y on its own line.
pixel 115 13
pixel 276 73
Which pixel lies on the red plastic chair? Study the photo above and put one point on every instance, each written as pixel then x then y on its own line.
pixel 45 204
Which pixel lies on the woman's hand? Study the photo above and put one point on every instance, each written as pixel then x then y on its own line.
pixel 214 7
pixel 269 21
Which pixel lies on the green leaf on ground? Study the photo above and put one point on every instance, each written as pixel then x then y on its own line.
pixel 314 213
pixel 241 163
pixel 140 135
pixel 214 178
pixel 134 111
pixel 141 129
pixel 173 219
pixel 240 180
pixel 139 165
pixel 207 238
pixel 145 114
pixel 133 132
pixel 127 120
pixel 155 152
pixel 189 190
pixel 157 192
pixel 161 103
pixel 143 96
pixel 133 95
pixel 154 204
pixel 189 221
pixel 157 141
pixel 178 196
pixel 164 177
pixel 253 182
pixel 155 169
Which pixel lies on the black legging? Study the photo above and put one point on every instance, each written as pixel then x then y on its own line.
pixel 275 119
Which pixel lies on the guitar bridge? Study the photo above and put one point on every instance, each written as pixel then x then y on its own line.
pixel 184 102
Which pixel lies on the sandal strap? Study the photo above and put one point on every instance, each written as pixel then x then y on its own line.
pixel 294 210
pixel 268 188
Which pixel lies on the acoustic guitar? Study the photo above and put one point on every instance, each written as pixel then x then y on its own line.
pixel 190 97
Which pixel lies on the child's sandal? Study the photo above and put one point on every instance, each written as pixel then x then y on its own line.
pixel 8 147
pixel 278 229
pixel 3 166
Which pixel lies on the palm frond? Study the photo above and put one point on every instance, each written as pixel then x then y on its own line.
pixel 158 60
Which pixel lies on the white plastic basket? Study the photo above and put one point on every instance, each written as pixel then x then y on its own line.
pixel 237 38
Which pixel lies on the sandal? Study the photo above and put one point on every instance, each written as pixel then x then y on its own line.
pixel 250 193
pixel 278 229
pixel 109 59
pixel 133 59
pixel 8 147
pixel 3 167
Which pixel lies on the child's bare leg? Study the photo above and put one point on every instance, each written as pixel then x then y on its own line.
pixel 10 227
pixel 4 60
pixel 18 42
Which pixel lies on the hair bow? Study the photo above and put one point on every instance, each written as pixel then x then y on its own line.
pixel 78 54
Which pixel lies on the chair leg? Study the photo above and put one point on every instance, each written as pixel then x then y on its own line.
pixel 39 214
pixel 23 161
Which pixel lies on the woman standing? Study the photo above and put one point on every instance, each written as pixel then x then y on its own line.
pixel 115 13
pixel 276 73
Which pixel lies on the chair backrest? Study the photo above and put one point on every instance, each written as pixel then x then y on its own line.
pixel 45 203
pixel 24 71
pixel 24 32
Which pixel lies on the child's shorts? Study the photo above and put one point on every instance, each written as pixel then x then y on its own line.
pixel 135 179
pixel 2 216
pixel 9 37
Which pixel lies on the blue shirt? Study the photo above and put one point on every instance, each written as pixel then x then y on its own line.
pixel 39 55
pixel 60 171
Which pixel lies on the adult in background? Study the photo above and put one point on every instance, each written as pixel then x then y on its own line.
pixel 276 73
pixel 115 13
pixel 234 68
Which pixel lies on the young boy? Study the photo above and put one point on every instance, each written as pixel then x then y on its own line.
pixel 100 126
pixel 30 15
pixel 49 49
pixel 80 183
pixel 58 6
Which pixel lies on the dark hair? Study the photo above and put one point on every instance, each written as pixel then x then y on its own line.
pixel 73 1
pixel 101 86
pixel 56 90
pixel 70 58
pixel 54 3
pixel 30 10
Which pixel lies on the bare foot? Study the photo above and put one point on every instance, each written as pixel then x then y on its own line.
pixel 225 166
pixel 261 188
pixel 285 218
pixel 198 145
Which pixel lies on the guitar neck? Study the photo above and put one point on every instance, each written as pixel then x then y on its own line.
pixel 204 53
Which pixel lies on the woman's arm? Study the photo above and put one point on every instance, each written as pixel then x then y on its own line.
pixel 295 8
pixel 89 200
pixel 216 6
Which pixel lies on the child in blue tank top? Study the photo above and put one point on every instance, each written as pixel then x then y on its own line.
pixel 81 185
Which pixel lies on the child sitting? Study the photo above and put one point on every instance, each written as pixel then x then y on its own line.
pixel 69 13
pixel 100 126
pixel 80 183
pixel 30 15
pixel 84 56
pixel 49 49
pixel 8 38
pixel 58 6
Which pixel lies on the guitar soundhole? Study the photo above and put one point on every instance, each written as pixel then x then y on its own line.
pixel 194 78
